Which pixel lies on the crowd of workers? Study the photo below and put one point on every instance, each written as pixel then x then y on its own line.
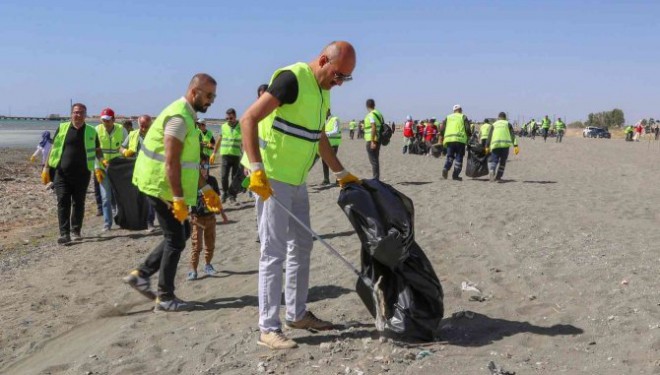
pixel 275 144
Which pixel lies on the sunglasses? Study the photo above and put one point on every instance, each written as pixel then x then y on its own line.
pixel 340 76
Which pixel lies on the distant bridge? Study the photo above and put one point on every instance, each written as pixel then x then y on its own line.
pixel 21 118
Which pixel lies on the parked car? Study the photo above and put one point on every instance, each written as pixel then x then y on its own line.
pixel 604 133
pixel 595 132
pixel 590 131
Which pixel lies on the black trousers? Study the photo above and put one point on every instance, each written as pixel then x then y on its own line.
pixel 71 193
pixel 231 167
pixel 165 257
pixel 326 170
pixel 373 160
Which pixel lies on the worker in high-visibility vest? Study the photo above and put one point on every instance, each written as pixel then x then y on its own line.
pixel 333 132
pixel 167 171
pixel 454 134
pixel 111 136
pixel 500 138
pixel 282 132
pixel 72 157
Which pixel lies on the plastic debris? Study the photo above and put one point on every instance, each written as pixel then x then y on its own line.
pixel 494 370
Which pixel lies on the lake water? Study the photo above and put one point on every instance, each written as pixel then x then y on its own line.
pixel 27 134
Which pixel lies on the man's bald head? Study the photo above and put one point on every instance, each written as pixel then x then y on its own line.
pixel 201 92
pixel 335 61
pixel 200 80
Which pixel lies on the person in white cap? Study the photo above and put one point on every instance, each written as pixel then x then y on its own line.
pixel 454 134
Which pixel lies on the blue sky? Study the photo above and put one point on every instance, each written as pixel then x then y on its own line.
pixel 527 58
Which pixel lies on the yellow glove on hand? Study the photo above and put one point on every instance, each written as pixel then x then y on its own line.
pixel 259 183
pixel 33 159
pixel 100 175
pixel 45 176
pixel 179 209
pixel 105 163
pixel 344 178
pixel 487 150
pixel 128 153
pixel 516 150
pixel 211 199
pixel 212 159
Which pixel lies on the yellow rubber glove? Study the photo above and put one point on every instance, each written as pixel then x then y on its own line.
pixel 45 176
pixel 260 185
pixel 105 163
pixel 100 175
pixel 516 150
pixel 33 159
pixel 486 150
pixel 211 199
pixel 128 153
pixel 179 209
pixel 344 178
pixel 212 159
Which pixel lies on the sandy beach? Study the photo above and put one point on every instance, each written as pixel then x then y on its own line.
pixel 564 254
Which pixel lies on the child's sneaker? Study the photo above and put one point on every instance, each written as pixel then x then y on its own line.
pixel 209 270
pixel 192 275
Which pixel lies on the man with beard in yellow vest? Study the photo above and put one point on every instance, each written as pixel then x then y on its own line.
pixel 500 138
pixel 167 171
pixel 291 116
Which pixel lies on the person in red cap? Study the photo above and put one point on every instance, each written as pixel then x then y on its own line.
pixel 111 137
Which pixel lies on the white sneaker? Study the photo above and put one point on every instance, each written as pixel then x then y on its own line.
pixel 276 340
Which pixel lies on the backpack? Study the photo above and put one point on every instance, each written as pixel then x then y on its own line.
pixel 385 131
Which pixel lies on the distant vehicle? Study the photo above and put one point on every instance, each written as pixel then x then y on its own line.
pixel 595 132
pixel 604 133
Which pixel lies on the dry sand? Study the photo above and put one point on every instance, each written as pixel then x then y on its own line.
pixel 565 254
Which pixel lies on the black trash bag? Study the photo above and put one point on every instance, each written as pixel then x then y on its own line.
pixel 384 221
pixel 132 205
pixel 477 160
pixel 436 150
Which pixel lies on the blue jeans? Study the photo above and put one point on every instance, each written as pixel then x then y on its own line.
pixel 106 202
pixel 455 151
pixel 497 161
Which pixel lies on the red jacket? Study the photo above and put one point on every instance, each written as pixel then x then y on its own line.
pixel 408 131
pixel 430 132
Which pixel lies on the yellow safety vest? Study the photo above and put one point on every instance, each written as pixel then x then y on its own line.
pixel 110 143
pixel 455 129
pixel 502 136
pixel 58 146
pixel 134 140
pixel 335 139
pixel 367 124
pixel 231 140
pixel 206 138
pixel 149 173
pixel 483 131
pixel 289 136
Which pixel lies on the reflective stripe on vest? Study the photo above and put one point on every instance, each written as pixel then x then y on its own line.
pixel 58 146
pixel 230 144
pixel 149 174
pixel 367 124
pixel 289 135
pixel 455 129
pixel 501 135
pixel 110 143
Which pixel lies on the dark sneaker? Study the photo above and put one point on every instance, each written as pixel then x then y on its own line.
pixel 76 236
pixel 445 173
pixel 172 305
pixel 457 178
pixel 63 240
pixel 325 182
pixel 310 321
pixel 141 284
pixel 276 340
